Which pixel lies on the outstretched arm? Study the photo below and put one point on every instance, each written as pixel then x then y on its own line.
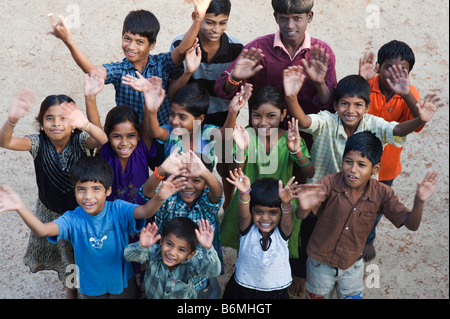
pixel 62 32
pixel 424 191
pixel 294 144
pixel 286 194
pixel 11 201
pixel 243 184
pixel 93 84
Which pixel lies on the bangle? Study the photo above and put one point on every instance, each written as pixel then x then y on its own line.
pixel 293 153
pixel 157 175
pixel 246 191
pixel 232 81
pixel 84 128
pixel 286 210
pixel 239 197
pixel 12 124
pixel 241 151
pixel 307 162
pixel 238 162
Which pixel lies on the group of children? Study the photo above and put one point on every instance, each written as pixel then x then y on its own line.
pixel 300 194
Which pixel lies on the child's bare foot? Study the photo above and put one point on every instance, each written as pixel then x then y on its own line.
pixel 297 287
pixel 369 252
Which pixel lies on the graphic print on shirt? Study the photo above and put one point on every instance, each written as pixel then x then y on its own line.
pixel 97 243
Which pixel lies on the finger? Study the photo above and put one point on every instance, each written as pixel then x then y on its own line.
pixel 52 21
pixel 63 21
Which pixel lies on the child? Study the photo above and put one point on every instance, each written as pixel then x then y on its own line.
pixel 201 198
pixel 216 51
pixel 189 107
pixel 265 223
pixel 263 60
pixel 140 30
pixel 98 229
pixel 65 136
pixel 173 265
pixel 351 103
pixel 392 98
pixel 265 150
pixel 353 200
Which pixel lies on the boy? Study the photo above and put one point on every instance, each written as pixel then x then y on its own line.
pixel 392 98
pixel 216 50
pixel 263 60
pixel 200 198
pixel 335 253
pixel 139 33
pixel 173 265
pixel 351 103
pixel 98 229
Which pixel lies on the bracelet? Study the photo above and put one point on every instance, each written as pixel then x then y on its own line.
pixel 12 124
pixel 286 210
pixel 84 128
pixel 157 175
pixel 239 150
pixel 232 81
pixel 307 162
pixel 246 191
pixel 236 161
pixel 293 153
pixel 239 197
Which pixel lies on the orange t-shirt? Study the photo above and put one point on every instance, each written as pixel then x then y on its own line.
pixel 396 110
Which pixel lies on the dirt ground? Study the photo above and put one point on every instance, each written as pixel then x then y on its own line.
pixel 410 264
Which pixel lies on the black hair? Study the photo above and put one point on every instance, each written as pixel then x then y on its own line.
pixel 218 7
pixel 266 94
pixel 121 114
pixel 50 101
pixel 194 98
pixel 142 22
pixel 353 85
pixel 292 6
pixel 396 49
pixel 367 143
pixel 264 192
pixel 183 228
pixel 92 169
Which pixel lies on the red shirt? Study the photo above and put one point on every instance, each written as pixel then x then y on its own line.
pixel 396 110
pixel 275 60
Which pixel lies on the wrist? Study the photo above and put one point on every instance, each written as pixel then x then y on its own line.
pixel 12 122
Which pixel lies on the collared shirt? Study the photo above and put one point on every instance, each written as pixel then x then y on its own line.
pixel 343 225
pixel 160 65
pixel 397 110
pixel 161 283
pixel 275 60
pixel 208 72
pixel 330 138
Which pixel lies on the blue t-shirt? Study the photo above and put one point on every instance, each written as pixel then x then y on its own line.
pixel 99 242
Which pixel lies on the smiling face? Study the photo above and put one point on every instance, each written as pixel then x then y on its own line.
pixel 212 27
pixel 123 139
pixel 193 190
pixel 136 48
pixel 182 121
pixel 55 124
pixel 91 196
pixel 266 117
pixel 351 110
pixel 266 218
pixel 175 250
pixel 358 170
pixel 293 27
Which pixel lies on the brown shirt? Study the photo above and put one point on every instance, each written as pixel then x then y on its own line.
pixel 342 225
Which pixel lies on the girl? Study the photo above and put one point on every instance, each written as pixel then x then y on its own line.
pixel 265 222
pixel 129 153
pixel 265 150
pixel 188 111
pixel 65 136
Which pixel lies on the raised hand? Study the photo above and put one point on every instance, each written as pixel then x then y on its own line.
pixel 60 29
pixel 310 196
pixel 240 180
pixel 366 66
pixel 398 80
pixel 241 98
pixel 173 164
pixel 194 165
pixel 21 105
pixel 171 185
pixel 201 6
pixel 193 58
pixel 431 104
pixel 9 199
pixel 247 64
pixel 74 115
pixel 93 83
pixel 317 66
pixel 149 235
pixel 205 234
pixel 240 137
pixel 426 188
pixel 287 192
pixel 293 141
pixel 293 79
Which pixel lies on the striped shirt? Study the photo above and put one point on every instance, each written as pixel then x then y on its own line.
pixel 329 139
